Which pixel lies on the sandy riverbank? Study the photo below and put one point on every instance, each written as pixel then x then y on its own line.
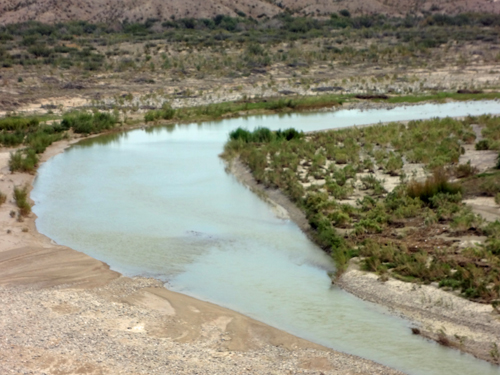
pixel 70 314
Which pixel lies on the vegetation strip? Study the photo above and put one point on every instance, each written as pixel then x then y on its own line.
pixel 408 233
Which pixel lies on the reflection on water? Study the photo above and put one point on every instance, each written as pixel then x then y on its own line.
pixel 159 203
pixel 103 140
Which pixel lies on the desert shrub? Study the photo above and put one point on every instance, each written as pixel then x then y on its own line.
pixel 337 191
pixel 340 176
pixel 437 183
pixel 490 185
pixel 3 198
pixel 469 137
pixel 23 161
pixel 262 135
pixel 12 139
pixel 241 135
pixel 483 144
pixel 18 123
pixel 466 220
pixel 371 182
pixel 465 170
pixel 40 140
pixel 394 164
pixel 368 164
pixel 345 13
pixel 402 205
pixel 497 166
pixel 21 198
pixel 87 123
pixel 339 219
pixel 40 50
pixel 367 226
pixel 289 134
pixel 366 204
pixel 165 113
pixel 497 198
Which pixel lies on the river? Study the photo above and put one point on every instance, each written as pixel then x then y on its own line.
pixel 159 203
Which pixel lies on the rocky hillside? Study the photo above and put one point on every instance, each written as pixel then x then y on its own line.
pixel 51 11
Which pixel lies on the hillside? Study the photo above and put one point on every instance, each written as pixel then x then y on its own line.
pixel 52 11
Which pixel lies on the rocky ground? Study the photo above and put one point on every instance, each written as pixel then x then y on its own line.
pixel 135 326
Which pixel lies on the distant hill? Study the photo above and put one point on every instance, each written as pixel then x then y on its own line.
pixel 52 11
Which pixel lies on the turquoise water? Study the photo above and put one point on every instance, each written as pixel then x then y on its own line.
pixel 159 203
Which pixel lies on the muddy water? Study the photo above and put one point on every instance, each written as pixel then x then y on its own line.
pixel 159 203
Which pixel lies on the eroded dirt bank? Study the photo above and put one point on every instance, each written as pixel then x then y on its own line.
pixel 67 313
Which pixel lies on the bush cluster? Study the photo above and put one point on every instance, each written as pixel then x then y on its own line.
pixel 88 123
pixel 21 198
pixel 37 136
pixel 319 170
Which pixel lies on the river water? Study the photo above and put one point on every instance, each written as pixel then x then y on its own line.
pixel 159 203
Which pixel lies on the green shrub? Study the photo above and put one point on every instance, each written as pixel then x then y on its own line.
pixel 240 135
pixel 87 123
pixel 483 144
pixel 465 170
pixel 21 198
pixel 490 185
pixel 23 161
pixel 11 139
pixel 367 226
pixel 262 135
pixel 18 123
pixel 394 164
pixel 466 220
pixel 437 183
pixel 40 140
pixel 289 134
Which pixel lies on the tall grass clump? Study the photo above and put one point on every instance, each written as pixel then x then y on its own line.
pixel 18 123
pixel 11 139
pixel 241 134
pixel 87 123
pixel 3 198
pixel 21 198
pixel 166 113
pixel 23 161
pixel 42 138
pixel 437 183
pixel 263 135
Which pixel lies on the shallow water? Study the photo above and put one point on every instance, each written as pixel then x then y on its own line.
pixel 159 203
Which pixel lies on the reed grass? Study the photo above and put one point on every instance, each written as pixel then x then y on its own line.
pixel 21 198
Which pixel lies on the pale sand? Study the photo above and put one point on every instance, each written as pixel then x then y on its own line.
pixel 67 313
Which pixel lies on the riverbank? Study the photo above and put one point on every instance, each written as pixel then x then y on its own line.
pixel 438 315
pixel 70 313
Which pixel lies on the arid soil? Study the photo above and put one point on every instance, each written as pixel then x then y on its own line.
pixel 116 11
pixel 41 92
pixel 66 313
